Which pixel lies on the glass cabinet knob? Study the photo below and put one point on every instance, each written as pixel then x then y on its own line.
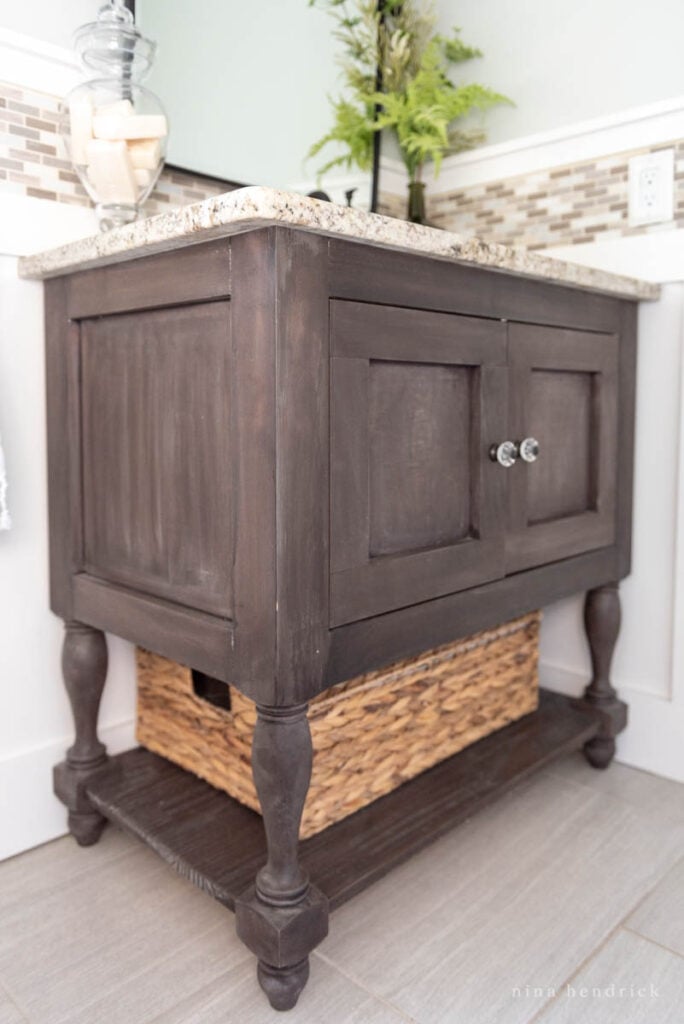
pixel 505 453
pixel 528 450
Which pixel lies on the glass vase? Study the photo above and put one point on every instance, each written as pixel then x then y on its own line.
pixel 114 129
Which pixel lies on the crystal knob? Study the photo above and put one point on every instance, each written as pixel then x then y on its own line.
pixel 505 453
pixel 528 450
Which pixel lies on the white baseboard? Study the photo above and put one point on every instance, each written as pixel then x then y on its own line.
pixel 652 740
pixel 29 811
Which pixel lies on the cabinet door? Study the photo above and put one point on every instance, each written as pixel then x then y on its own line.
pixel 563 392
pixel 417 507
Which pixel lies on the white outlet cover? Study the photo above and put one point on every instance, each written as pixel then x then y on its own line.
pixel 651 188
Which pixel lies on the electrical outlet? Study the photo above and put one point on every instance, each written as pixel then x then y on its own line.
pixel 651 188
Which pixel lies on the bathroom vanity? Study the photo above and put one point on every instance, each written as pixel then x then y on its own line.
pixel 290 443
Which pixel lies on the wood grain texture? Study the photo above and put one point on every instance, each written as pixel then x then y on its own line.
pixel 563 392
pixel 62 368
pixel 366 274
pixel 370 643
pixel 219 844
pixel 302 404
pixel 417 508
pixel 157 489
pixel 205 641
pixel 195 274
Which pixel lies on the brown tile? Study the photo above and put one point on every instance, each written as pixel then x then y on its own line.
pixel 23 108
pixel 10 117
pixel 24 179
pixel 11 165
pixel 25 156
pixel 618 206
pixel 26 133
pixel 43 126
pixel 40 147
pixel 39 193
pixel 538 213
pixel 69 176
pixel 51 115
pixel 3 175
pixel 11 92
pixel 562 173
pixel 54 161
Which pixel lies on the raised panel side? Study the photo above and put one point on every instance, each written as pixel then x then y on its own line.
pixel 157 479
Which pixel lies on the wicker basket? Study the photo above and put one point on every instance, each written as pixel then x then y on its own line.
pixel 369 734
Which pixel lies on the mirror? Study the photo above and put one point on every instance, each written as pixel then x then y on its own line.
pixel 245 86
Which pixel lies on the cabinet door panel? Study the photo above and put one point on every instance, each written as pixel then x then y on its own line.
pixel 564 393
pixel 417 508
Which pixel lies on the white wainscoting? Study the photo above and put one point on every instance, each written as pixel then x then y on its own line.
pixel 649 659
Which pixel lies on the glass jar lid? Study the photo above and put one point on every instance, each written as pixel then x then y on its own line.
pixel 112 45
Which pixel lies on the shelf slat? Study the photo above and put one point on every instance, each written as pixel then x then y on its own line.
pixel 219 844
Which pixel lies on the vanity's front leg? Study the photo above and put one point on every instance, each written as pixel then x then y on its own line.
pixel 84 667
pixel 602 626
pixel 282 917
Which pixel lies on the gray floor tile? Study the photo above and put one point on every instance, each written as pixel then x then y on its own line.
pixel 519 895
pixel 88 936
pixel 236 996
pixel 53 865
pixel 629 981
pixel 162 984
pixel 629 785
pixel 661 916
pixel 9 1012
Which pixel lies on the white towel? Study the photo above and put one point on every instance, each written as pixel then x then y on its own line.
pixel 5 521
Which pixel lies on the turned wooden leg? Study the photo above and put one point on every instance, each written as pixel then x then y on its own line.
pixel 282 917
pixel 602 626
pixel 84 667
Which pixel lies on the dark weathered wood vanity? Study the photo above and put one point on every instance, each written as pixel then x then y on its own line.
pixel 280 456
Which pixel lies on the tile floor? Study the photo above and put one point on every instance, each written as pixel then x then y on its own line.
pixel 562 902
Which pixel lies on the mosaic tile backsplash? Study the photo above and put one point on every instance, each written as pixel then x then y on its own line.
pixel 33 163
pixel 559 206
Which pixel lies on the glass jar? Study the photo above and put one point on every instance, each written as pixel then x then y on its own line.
pixel 114 129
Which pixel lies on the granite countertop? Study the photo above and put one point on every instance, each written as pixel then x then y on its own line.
pixel 249 208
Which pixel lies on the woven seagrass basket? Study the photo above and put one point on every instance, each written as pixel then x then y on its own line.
pixel 370 734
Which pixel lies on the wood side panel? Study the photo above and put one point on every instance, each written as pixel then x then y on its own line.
pixel 302 463
pixel 627 370
pixel 192 274
pixel 157 492
pixel 368 274
pixel 368 644
pixel 253 457
pixel 191 637
pixel 62 368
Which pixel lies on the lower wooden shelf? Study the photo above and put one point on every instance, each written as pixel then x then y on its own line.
pixel 219 845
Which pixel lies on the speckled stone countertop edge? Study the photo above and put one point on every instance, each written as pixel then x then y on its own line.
pixel 249 208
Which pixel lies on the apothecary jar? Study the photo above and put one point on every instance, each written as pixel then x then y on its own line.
pixel 115 130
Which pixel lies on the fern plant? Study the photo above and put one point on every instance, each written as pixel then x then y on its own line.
pixel 419 104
